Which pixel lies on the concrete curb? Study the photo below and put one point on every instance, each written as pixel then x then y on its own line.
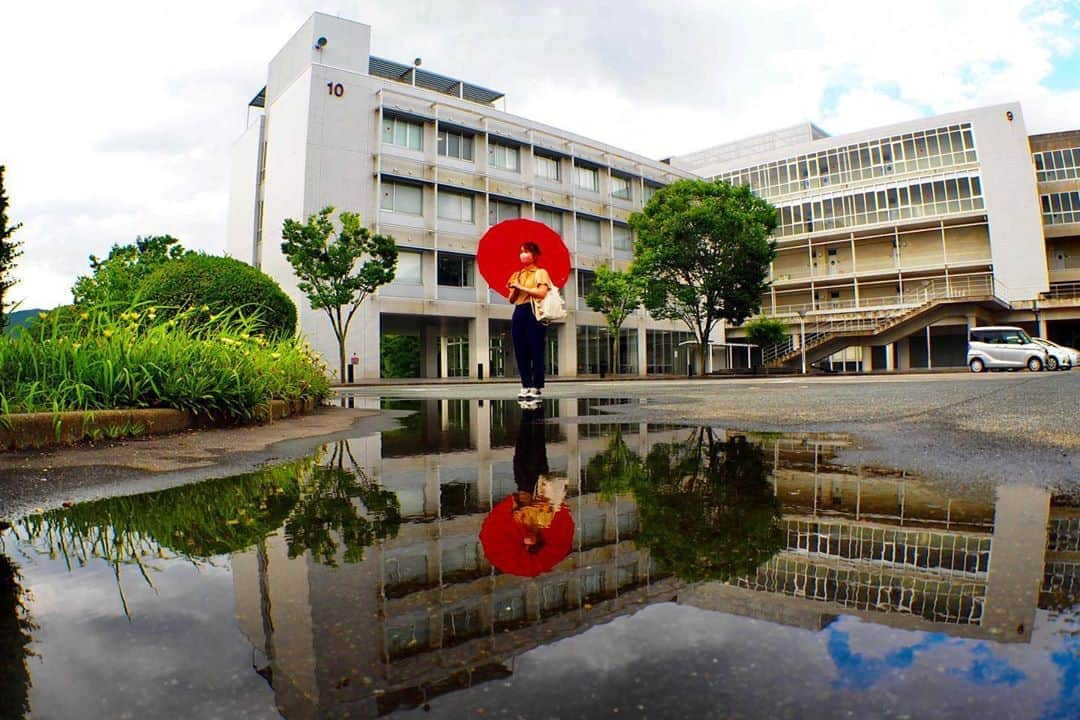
pixel 37 431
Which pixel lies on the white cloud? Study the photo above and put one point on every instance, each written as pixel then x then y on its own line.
pixel 119 119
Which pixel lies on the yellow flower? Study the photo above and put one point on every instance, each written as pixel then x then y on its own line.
pixel 107 332
pixel 75 346
pixel 84 316
pixel 205 308
pixel 276 356
pixel 43 315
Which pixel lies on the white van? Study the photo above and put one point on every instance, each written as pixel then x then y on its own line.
pixel 1002 346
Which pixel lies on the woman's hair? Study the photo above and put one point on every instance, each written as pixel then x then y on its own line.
pixel 531 247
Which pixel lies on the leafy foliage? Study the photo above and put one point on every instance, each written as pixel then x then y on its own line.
pixel 10 250
pixel 703 252
pixel 327 512
pixel 117 278
pixel 89 359
pixel 400 356
pixel 338 274
pixel 706 511
pixel 212 284
pixel 764 331
pixel 616 294
pixel 15 638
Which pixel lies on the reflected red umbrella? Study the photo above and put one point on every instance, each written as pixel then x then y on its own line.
pixel 497 254
pixel 504 541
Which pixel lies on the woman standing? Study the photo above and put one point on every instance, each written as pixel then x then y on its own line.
pixel 528 285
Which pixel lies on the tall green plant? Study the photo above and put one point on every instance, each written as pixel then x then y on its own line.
pixel 337 274
pixel 765 331
pixel 10 250
pixel 616 294
pixel 703 250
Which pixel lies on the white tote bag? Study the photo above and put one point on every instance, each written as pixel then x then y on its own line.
pixel 551 309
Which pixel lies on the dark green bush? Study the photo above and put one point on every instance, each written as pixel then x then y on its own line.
pixel 217 284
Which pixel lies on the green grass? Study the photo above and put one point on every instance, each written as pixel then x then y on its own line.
pixel 93 359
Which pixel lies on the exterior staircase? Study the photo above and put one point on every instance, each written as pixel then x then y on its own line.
pixel 828 336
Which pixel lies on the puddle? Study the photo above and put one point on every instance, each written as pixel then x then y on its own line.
pixel 656 571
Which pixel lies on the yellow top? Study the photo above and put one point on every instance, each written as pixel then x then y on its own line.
pixel 530 278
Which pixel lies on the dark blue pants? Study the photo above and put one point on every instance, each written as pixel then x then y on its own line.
pixel 528 336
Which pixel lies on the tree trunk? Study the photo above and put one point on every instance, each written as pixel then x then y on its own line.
pixel 341 357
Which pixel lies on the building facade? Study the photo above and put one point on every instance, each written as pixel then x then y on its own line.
pixel 891 242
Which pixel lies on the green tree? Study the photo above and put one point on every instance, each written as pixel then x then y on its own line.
pixel 10 250
pixel 16 634
pixel 341 504
pixel 400 356
pixel 703 252
pixel 116 279
pixel 219 284
pixel 338 274
pixel 705 508
pixel 616 294
pixel 764 331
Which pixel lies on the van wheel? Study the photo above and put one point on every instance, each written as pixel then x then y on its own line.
pixel 1034 364
pixel 976 365
pixel 1051 363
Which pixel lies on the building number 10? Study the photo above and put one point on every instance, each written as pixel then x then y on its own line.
pixel 335 89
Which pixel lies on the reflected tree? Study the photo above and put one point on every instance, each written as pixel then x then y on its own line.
pixel 705 509
pixel 15 638
pixel 340 505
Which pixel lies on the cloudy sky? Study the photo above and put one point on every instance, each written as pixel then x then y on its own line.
pixel 116 118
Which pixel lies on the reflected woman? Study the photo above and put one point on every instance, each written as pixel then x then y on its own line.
pixel 527 286
pixel 530 531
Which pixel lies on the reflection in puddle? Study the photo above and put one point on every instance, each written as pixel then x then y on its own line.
pixel 386 571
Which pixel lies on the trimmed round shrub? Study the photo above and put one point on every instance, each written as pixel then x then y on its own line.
pixel 219 284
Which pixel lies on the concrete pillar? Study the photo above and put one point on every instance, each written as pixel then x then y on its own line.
pixel 443 370
pixel 890 359
pixel 903 354
pixel 1017 548
pixel 429 275
pixel 429 351
pixel 1042 326
pixel 480 343
pixel 567 333
pixel 365 338
pixel 867 359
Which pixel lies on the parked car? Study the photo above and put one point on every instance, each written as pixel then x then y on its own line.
pixel 1005 347
pixel 1059 357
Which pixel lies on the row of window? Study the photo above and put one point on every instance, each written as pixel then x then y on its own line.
pixel 460 207
pixel 453 270
pixel 938 197
pixel 1060 208
pixel 910 152
pixel 1051 165
pixel 409 134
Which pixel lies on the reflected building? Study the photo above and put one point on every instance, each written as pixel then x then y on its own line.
pixel 425 613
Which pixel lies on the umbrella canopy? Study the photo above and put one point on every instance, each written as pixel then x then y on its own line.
pixel 497 254
pixel 503 541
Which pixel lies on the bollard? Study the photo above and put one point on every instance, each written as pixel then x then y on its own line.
pixel 349 373
pixel 479 371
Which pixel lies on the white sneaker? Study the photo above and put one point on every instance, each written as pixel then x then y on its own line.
pixel 533 393
pixel 524 392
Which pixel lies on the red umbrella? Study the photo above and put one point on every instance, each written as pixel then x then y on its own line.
pixel 497 254
pixel 503 540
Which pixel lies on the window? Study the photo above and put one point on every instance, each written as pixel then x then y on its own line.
pixel 499 210
pixel 548 168
pixel 585 281
pixel 455 270
pixel 408 268
pixel 588 232
pixel 551 218
pixel 587 178
pixel 455 206
pixel 404 133
pixel 402 198
pixel 620 187
pixel 502 156
pixel 622 238
pixel 455 145
pixel 647 192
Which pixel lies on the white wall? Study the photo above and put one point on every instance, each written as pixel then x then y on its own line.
pixel 243 193
pixel 1012 202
